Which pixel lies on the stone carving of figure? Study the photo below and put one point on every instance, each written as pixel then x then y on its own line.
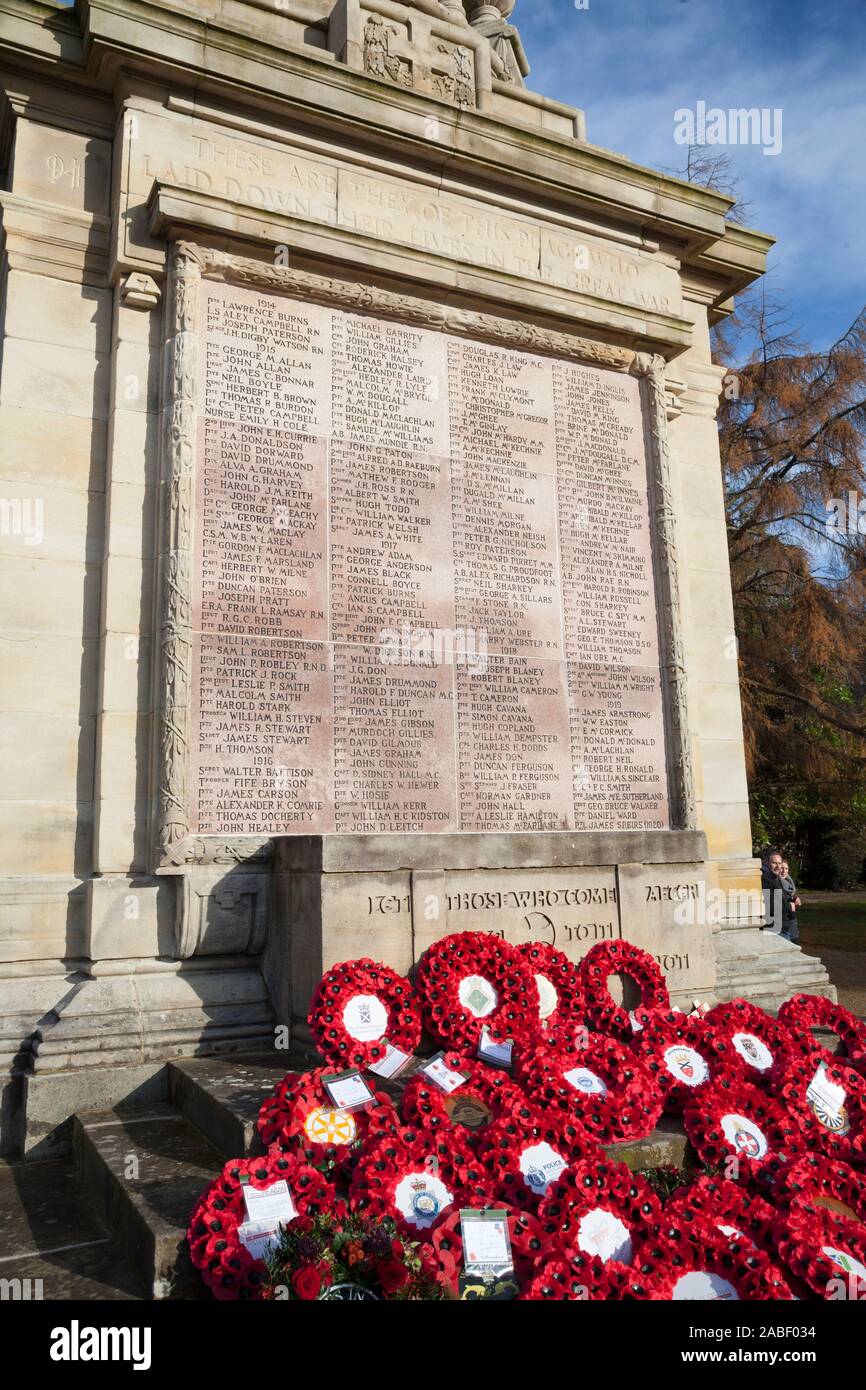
pixel 379 61
pixel 491 20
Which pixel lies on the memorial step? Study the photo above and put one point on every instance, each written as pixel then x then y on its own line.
pixel 53 1243
pixel 144 1169
pixel 667 1146
pixel 222 1096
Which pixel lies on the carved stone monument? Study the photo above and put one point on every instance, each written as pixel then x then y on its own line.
pixel 370 579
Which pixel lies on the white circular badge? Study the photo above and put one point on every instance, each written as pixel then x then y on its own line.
pixel 706 1288
pixel 603 1234
pixel 327 1126
pixel 582 1079
pixel 547 997
pixel 744 1136
pixel 477 995
pixel 365 1018
pixel 541 1165
pixel 753 1051
pixel 421 1198
pixel 844 1261
pixel 686 1065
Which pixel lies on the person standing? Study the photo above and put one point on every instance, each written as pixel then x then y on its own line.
pixel 791 902
pixel 771 869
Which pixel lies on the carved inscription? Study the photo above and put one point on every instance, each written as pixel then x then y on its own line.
pixel 423 592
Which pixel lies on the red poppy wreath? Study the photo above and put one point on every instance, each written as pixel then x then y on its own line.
pixel 680 1054
pixel 704 1265
pixel 620 958
pixel 823 1189
pixel 604 1088
pixel 578 1279
pixel 830 1262
pixel 561 1001
pixel 471 981
pixel 400 1178
pixel 750 1044
pixel 358 1008
pixel 486 1095
pixel 215 1247
pixel 804 1012
pixel 739 1126
pixel 601 1209
pixel 528 1245
pixel 528 1150
pixel 828 1098
pixel 310 1124
pixel 724 1205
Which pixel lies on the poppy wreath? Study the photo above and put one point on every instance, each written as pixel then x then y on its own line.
pixel 825 1189
pixel 804 1012
pixel 620 958
pixel 739 1126
pixel 226 1266
pixel 838 1130
pixel 578 1279
pixel 378 1002
pixel 526 1151
pixel 562 1005
pixel 487 1094
pixel 604 1088
pixel 600 1209
pixel 528 1245
pixel 398 1177
pixel 474 980
pixel 829 1262
pixel 727 1207
pixel 679 1261
pixel 327 1137
pixel 680 1054
pixel 750 1044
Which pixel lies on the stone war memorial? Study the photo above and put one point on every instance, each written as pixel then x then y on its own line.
pixel 371 583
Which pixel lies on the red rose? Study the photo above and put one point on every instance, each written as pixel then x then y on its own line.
pixel 307 1282
pixel 392 1276
pixel 324 1270
pixel 397 1250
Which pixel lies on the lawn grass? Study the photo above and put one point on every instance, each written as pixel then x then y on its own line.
pixel 842 925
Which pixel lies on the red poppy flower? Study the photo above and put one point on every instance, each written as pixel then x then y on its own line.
pixel 561 1001
pixel 608 958
pixel 359 1007
pixel 578 1280
pixel 743 1128
pixel 472 981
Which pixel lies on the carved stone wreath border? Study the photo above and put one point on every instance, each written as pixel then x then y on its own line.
pixel 174 846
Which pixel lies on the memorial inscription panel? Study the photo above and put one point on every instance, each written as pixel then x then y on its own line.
pixel 423 592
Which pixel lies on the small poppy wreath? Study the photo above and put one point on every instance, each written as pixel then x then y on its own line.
pixel 823 1189
pixel 578 1279
pixel 604 1088
pixel 608 958
pixel 487 1094
pixel 680 1054
pixel 724 1205
pixel 471 981
pixel 733 1124
pixel 750 1044
pixel 359 1007
pixel 401 1177
pixel 528 1245
pixel 601 1209
pixel 310 1124
pixel 561 1001
pixel 828 1098
pixel 804 1012
pixel 831 1262
pixel 526 1151
pixel 703 1263
pixel 226 1265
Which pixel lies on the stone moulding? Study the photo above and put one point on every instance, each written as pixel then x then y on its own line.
pixel 174 845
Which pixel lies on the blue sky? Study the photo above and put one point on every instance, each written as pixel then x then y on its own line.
pixel 630 64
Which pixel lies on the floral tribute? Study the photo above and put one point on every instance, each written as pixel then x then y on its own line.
pixel 365 1203
pixel 474 981
pixel 620 958
pixel 604 1088
pixel 807 1011
pixel 352 1257
pixel 360 1007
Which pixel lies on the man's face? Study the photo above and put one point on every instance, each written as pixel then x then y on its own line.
pixel 775 864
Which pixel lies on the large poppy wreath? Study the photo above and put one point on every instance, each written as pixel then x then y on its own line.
pixel 601 1209
pixel 703 1264
pixel 527 1151
pixel 831 1262
pixel 804 1012
pixel 741 1127
pixel 471 981
pixel 308 1122
pixel 749 1043
pixel 358 1008
pixel 486 1095
pixel 605 1088
pixel 397 1177
pixel 828 1098
pixel 823 1189
pixel 727 1206
pixel 561 1001
pixel 620 958
pixel 577 1278
pixel 679 1053
pixel 226 1266
pixel 528 1244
